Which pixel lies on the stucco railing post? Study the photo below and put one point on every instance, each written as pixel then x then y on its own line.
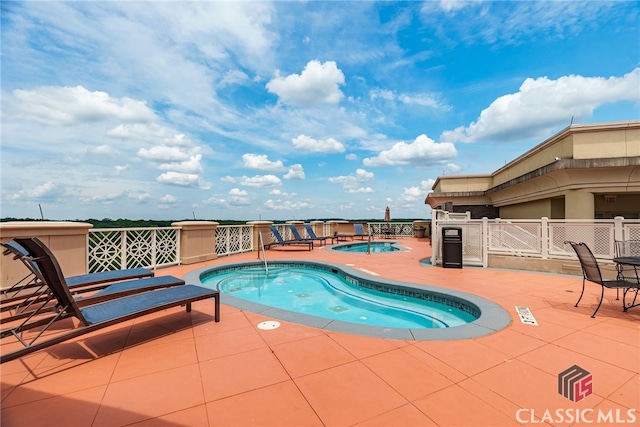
pixel 260 227
pixel 317 227
pixel 67 240
pixel 299 225
pixel 340 226
pixel 197 241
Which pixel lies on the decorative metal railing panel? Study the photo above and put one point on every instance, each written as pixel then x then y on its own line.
pixel 234 239
pixel 116 249
pixel 395 229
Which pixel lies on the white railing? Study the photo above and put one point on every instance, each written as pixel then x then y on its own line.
pixel 121 248
pixel 542 238
pixel 233 239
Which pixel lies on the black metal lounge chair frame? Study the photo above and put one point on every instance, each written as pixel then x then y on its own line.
pixel 104 314
pixel 31 290
pixel 39 301
pixel 591 272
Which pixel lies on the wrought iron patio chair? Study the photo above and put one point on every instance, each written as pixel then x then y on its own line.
pixel 591 272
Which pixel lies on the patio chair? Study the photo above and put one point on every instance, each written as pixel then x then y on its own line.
pixel 297 236
pixel 82 283
pixel 359 231
pixel 312 235
pixel 38 301
pixel 97 316
pixel 591 272
pixel 283 242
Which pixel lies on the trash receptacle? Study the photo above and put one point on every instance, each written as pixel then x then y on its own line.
pixel 452 247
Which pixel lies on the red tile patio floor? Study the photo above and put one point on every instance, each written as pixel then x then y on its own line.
pixel 179 369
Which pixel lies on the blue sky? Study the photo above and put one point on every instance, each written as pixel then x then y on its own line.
pixel 292 110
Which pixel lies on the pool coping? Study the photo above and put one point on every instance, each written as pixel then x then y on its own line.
pixel 493 317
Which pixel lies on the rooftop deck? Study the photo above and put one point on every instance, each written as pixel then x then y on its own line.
pixel 179 369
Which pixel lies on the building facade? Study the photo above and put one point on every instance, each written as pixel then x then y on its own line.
pixel 587 171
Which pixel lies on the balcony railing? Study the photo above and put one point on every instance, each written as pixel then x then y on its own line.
pixel 543 238
pixel 120 248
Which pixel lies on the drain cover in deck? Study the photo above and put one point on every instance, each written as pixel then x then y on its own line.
pixel 268 325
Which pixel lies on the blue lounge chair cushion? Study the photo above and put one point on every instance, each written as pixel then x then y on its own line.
pixel 108 276
pixel 121 307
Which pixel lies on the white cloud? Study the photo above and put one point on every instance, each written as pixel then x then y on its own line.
pixel 417 193
pixel 261 162
pixel 43 191
pixel 317 84
pixel 306 143
pixel 163 153
pixel 295 172
pixel 181 179
pixel 543 104
pixel 238 197
pixel 67 106
pixel 278 192
pixel 260 181
pixel 168 198
pixel 352 183
pixel 422 100
pixel 192 165
pixel 422 151
pixel 287 205
pixel 453 167
pixel 233 77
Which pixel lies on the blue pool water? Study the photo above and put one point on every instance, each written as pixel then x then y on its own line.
pixel 355 305
pixel 364 247
pixel 324 293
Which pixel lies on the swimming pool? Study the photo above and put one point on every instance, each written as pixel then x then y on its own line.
pixel 364 247
pixel 482 316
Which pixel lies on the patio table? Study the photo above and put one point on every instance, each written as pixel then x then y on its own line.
pixel 633 262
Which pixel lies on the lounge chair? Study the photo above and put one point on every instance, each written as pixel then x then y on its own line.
pixel 38 301
pixel 591 272
pixel 283 242
pixel 297 236
pixel 359 231
pixel 312 235
pixel 101 315
pixel 81 283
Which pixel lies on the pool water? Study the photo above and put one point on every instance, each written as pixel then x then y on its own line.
pixel 364 247
pixel 323 293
